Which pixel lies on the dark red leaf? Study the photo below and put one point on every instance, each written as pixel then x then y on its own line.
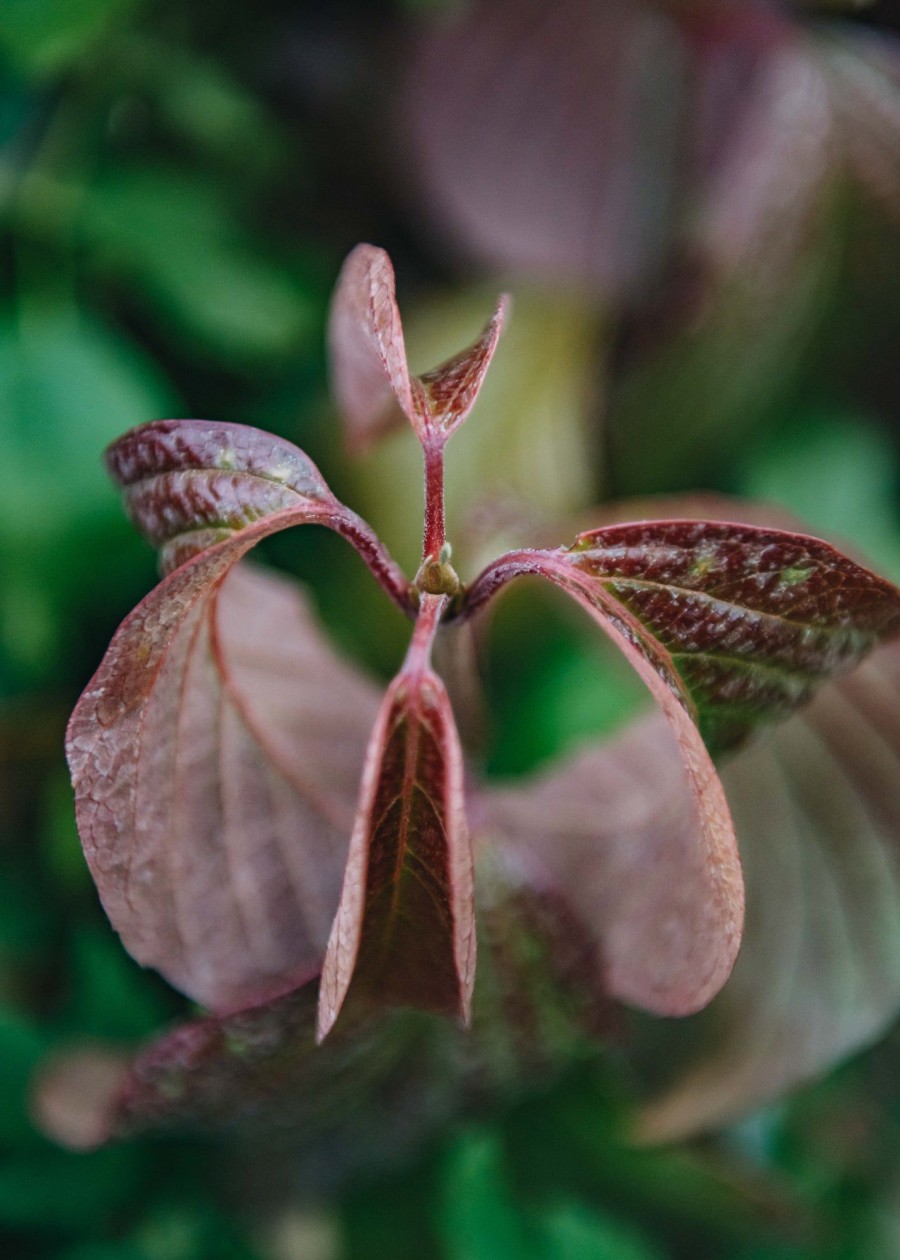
pixel 191 484
pixel 215 757
pixel 751 619
pixel 405 933
pixel 372 382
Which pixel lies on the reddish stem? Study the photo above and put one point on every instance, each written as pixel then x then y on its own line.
pixel 435 534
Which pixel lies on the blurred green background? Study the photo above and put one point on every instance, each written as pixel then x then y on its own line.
pixel 179 182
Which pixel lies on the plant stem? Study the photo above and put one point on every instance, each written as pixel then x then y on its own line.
pixel 435 535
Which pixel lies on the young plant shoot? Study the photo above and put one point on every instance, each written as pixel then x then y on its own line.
pixel 218 751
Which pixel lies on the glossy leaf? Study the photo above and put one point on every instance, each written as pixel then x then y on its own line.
pixel 817 811
pixel 215 757
pixel 372 382
pixel 404 933
pixel 190 484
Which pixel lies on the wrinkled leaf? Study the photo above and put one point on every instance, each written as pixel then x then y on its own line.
pixel 190 484
pixel 817 812
pixel 752 619
pixel 215 757
pixel 404 933
pixel 369 368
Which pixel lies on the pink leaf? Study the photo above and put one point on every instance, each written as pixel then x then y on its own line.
pixel 215 757
pixel 404 933
pixel 372 382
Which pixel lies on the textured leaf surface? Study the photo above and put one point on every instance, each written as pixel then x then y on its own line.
pixel 372 381
pixel 405 933
pixel 816 805
pixel 752 619
pixel 215 757
pixel 190 484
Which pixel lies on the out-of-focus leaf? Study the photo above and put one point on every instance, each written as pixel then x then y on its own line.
pixel 530 455
pixel 404 933
pixel 22 1045
pixel 753 255
pixel 836 472
pixel 48 1191
pixel 215 757
pixel 544 139
pixel 180 240
pixel 44 36
pixel 864 80
pixel 372 381
pixel 67 387
pixel 479 1219
pixel 817 814
pixel 573 1231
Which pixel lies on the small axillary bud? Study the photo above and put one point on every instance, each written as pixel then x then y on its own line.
pixel 437 576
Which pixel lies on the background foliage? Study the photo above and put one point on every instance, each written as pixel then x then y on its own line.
pixel 178 185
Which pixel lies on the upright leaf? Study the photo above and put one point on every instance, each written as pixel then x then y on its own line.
pixel 404 933
pixel 215 758
pixel 372 382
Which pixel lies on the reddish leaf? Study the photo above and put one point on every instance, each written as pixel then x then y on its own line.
pixel 190 484
pixel 215 757
pixel 404 933
pixel 372 381
pixel 751 619
pixel 544 137
pixel 817 809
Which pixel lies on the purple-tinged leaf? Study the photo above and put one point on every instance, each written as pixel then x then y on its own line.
pixel 191 484
pixel 639 838
pixel 816 804
pixel 372 382
pixel 544 137
pixel 864 81
pixel 752 619
pixel 404 933
pixel 675 938
pixel 537 1004
pixel 215 757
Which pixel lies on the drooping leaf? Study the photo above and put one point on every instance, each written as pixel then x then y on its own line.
pixel 190 484
pixel 215 758
pixel 731 625
pixel 404 933
pixel 817 813
pixel 372 381
pixel 752 619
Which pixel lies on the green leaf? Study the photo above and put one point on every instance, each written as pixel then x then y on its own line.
pixel 180 240
pixel 44 36
pixel 573 1231
pixel 478 1218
